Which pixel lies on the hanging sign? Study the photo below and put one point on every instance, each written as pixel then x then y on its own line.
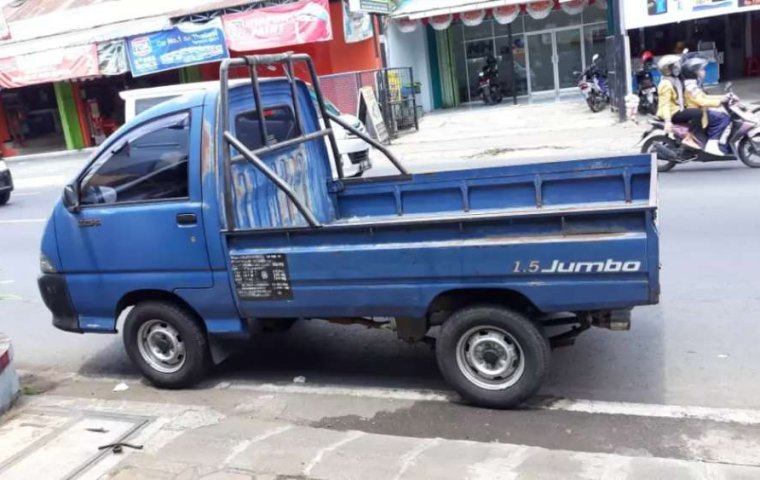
pixel 371 6
pixel 539 10
pixel 507 14
pixel 184 44
pixel 49 66
pixel 307 21
pixel 473 18
pixel 441 22
pixel 573 7
pixel 112 58
pixel 406 25
pixel 601 4
pixel 357 26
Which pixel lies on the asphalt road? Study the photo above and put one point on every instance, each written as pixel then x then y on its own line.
pixel 698 347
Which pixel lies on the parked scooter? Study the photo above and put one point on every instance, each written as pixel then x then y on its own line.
pixel 489 88
pixel 648 98
pixel 593 85
pixel 743 141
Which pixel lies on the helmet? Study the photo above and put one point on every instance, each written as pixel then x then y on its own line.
pixel 692 66
pixel 647 56
pixel 670 65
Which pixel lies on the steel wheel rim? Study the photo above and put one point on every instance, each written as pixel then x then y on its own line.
pixel 490 358
pixel 161 346
pixel 750 153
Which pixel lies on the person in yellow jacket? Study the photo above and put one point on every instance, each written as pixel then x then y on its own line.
pixel 715 121
pixel 671 107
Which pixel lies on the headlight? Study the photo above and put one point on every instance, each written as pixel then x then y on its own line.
pixel 3 166
pixel 45 265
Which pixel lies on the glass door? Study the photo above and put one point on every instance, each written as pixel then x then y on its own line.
pixel 541 62
pixel 553 57
pixel 569 49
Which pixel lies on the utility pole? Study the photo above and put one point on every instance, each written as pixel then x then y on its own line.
pixel 618 57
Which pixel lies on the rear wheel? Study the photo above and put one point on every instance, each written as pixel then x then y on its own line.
pixel 749 154
pixel 650 147
pixel 595 102
pixel 492 356
pixel 167 344
pixel 5 197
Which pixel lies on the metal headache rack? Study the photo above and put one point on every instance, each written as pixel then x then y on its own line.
pixel 287 61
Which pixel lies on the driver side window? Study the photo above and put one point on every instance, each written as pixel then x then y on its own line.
pixel 149 163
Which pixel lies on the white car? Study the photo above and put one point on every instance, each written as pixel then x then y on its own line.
pixel 354 151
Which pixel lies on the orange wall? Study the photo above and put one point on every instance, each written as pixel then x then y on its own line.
pixel 335 56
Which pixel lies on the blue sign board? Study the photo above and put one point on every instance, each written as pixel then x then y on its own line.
pixel 185 44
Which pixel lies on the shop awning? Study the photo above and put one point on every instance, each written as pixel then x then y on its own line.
pixel 416 9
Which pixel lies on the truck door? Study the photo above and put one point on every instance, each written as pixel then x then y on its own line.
pixel 140 223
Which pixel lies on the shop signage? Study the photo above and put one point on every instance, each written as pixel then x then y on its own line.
pixel 357 26
pixel 371 115
pixel 371 6
pixel 573 7
pixel 407 25
pixel 539 10
pixel 660 12
pixel 5 32
pixel 506 14
pixel 307 21
pixel 441 22
pixel 112 57
pixel 473 18
pixel 49 66
pixel 185 44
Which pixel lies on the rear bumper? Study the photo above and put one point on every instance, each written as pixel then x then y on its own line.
pixel 55 294
pixel 6 181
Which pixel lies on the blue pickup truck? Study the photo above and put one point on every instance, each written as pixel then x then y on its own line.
pixel 215 216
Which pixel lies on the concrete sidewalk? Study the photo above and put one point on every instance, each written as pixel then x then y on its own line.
pixel 235 434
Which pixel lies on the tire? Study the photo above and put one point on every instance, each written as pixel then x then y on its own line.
pixel 748 154
pixel 494 329
pixel 161 321
pixel 5 198
pixel 662 165
pixel 595 103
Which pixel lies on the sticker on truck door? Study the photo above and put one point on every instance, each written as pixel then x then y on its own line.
pixel 262 277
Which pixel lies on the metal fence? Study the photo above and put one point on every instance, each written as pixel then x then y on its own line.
pixel 394 88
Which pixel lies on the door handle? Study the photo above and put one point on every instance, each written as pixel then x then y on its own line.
pixel 187 219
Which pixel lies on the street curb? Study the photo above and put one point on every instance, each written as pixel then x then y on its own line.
pixel 9 384
pixel 59 155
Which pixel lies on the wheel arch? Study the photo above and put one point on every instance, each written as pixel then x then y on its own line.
pixel 445 303
pixel 138 296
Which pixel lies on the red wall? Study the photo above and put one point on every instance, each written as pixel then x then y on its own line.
pixel 335 56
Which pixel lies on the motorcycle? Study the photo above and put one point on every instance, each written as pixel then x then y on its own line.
pixel 489 88
pixel 593 86
pixel 743 140
pixel 648 99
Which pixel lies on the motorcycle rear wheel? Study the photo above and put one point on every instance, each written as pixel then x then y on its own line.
pixel 596 103
pixel 648 147
pixel 748 153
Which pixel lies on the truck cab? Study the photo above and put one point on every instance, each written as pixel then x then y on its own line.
pixel 217 215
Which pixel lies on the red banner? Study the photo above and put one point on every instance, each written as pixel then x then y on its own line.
pixel 294 24
pixel 50 66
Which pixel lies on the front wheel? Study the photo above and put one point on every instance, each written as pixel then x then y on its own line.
pixel 5 197
pixel 650 147
pixel 595 103
pixel 749 154
pixel 167 343
pixel 492 356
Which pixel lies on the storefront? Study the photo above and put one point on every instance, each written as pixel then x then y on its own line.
pixel 539 46
pixel 725 32
pixel 61 91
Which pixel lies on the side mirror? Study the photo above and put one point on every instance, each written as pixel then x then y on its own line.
pixel 595 57
pixel 71 198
